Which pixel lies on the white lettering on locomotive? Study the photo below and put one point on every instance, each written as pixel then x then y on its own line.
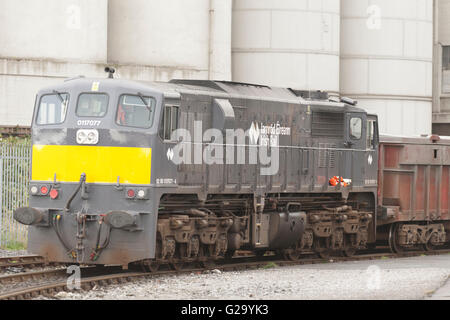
pixel 90 123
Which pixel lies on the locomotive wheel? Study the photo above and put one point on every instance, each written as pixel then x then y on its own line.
pixel 177 266
pixel 349 250
pixel 326 254
pixel 393 242
pixel 291 255
pixel 150 266
pixel 322 247
pixel 184 251
pixel 229 254
pixel 208 264
pixel 260 253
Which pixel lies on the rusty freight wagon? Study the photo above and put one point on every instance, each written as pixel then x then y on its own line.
pixel 413 191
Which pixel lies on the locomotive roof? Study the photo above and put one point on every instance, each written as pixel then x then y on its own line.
pixel 218 89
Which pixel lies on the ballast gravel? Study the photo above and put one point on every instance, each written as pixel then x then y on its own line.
pixel 410 278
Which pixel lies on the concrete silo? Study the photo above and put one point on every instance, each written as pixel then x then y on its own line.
pixel 42 42
pixel 441 74
pixel 162 40
pixel 386 61
pixel 290 43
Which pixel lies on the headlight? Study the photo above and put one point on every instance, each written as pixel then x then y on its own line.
pixel 34 190
pixel 85 136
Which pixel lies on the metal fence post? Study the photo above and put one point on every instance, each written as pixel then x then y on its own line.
pixel 1 199
pixel 14 181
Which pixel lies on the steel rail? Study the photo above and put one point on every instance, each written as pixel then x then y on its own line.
pixel 21 261
pixel 25 276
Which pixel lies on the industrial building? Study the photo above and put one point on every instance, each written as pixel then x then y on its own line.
pixel 392 56
pixel 441 69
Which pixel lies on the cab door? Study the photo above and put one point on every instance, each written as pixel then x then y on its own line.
pixel 356 125
pixel 371 159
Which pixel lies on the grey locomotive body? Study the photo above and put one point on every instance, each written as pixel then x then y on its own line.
pixel 194 170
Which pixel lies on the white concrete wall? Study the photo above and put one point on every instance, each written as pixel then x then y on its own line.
pixel 20 80
pixel 386 61
pixel 45 41
pixel 444 22
pixel 74 30
pixel 42 42
pixel 163 40
pixel 303 44
pixel 220 40
pixel 172 35
pixel 290 43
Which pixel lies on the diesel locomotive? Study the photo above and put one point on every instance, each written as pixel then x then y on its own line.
pixel 166 173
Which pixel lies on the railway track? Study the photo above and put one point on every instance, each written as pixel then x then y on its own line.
pixel 30 261
pixel 26 276
pixel 96 276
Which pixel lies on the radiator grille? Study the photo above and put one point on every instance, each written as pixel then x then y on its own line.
pixel 327 124
pixel 327 157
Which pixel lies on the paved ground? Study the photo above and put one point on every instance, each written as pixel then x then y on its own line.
pixel 410 278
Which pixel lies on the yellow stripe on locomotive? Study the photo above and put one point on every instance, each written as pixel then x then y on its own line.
pixel 101 164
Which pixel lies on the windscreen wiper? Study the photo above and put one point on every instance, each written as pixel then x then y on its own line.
pixel 146 105
pixel 60 97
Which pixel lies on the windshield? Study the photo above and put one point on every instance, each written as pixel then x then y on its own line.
pixel 52 108
pixel 92 105
pixel 135 111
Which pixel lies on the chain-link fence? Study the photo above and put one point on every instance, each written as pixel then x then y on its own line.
pixel 15 159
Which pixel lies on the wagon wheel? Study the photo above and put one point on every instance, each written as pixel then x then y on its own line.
pixel 429 246
pixel 393 242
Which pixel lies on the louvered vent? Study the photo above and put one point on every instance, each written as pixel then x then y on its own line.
pixel 327 156
pixel 327 124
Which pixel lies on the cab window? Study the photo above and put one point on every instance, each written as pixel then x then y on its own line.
pixel 135 111
pixel 372 138
pixel 169 122
pixel 92 105
pixel 370 134
pixel 52 108
pixel 355 128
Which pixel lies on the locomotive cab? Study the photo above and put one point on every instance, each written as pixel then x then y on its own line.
pixel 92 154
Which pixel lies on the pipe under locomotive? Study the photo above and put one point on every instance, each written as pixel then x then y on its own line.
pixel 106 189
